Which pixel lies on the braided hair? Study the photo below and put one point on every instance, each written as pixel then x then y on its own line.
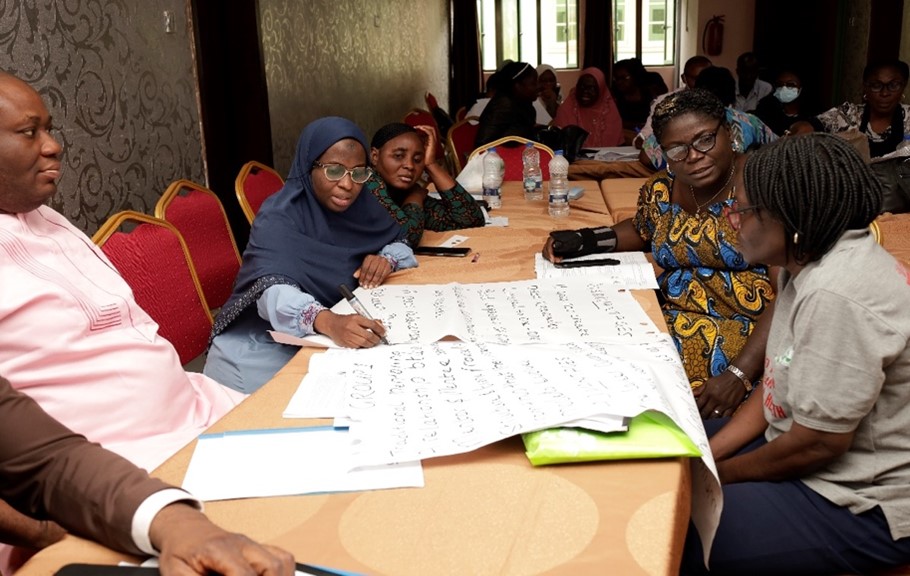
pixel 695 101
pixel 817 186
pixel 389 132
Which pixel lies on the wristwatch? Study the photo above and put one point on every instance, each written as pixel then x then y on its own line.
pixel 741 375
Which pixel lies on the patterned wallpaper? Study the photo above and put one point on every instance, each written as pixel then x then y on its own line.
pixel 122 92
pixel 368 60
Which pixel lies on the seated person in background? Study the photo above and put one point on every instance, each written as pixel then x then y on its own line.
pixel 399 154
pixel 815 464
pixel 780 109
pixel 314 234
pixel 634 88
pixel 881 117
pixel 476 109
pixel 750 89
pixel 747 131
pixel 714 303
pixel 47 471
pixel 548 92
pixel 71 334
pixel 591 106
pixel 691 70
pixel 510 111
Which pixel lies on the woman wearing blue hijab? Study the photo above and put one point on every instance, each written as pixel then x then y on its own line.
pixel 314 234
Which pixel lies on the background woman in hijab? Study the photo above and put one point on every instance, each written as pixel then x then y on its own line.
pixel 511 111
pixel 591 106
pixel 316 233
pixel 399 154
pixel 548 92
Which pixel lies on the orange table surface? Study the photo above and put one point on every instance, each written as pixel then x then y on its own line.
pixel 485 512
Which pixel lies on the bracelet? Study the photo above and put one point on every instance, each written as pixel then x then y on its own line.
pixel 741 375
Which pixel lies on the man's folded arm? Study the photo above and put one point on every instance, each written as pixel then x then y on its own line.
pixel 48 471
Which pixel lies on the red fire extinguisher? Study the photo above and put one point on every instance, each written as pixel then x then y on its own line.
pixel 712 39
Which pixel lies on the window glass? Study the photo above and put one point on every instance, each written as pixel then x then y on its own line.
pixel 657 35
pixel 533 31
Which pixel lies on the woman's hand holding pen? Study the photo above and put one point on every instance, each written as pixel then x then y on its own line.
pixel 349 330
pixel 373 272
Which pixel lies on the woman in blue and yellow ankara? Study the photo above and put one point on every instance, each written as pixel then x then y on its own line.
pixel 712 298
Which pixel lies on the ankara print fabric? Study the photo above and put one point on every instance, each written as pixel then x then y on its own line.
pixel 711 296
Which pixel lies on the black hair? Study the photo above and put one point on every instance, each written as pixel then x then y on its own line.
pixel 511 73
pixel 697 61
pixel 695 101
pixel 877 65
pixel 390 131
pixel 817 186
pixel 896 133
pixel 719 81
pixel 747 59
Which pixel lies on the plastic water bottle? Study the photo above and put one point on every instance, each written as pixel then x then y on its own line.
pixel 559 186
pixel 493 171
pixel 531 174
pixel 904 145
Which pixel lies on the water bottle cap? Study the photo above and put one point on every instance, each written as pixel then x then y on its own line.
pixel 529 144
pixel 491 149
pixel 559 152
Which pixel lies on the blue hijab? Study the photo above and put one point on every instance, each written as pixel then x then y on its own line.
pixel 296 241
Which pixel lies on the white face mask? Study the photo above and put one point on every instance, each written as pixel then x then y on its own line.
pixel 786 94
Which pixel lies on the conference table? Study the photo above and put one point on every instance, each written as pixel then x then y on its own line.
pixel 488 511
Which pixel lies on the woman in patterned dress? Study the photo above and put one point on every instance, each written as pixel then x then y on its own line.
pixel 712 298
pixel 399 154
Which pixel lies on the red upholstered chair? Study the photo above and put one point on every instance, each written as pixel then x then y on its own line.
pixel 460 142
pixel 197 213
pixel 152 257
pixel 254 184
pixel 421 117
pixel 510 149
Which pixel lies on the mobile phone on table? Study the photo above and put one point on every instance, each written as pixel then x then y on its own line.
pixel 442 251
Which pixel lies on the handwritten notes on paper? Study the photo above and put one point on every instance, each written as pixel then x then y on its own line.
pixel 525 312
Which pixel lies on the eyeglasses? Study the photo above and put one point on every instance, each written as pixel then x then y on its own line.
pixel 703 144
pixel 336 172
pixel 734 213
pixel 893 86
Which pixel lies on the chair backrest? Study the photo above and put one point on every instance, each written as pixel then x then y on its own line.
pixel 461 113
pixel 421 117
pixel 510 149
pixel 153 259
pixel 254 184
pixel 460 142
pixel 199 216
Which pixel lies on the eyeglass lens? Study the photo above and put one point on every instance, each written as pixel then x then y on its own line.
pixel 892 86
pixel 702 144
pixel 335 172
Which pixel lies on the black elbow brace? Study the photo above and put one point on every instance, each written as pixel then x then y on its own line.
pixel 583 241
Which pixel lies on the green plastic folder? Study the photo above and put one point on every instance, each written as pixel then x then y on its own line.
pixel 650 435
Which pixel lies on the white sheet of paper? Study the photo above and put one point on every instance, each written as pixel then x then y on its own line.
pixel 633 272
pixel 260 463
pixel 525 312
pixel 323 394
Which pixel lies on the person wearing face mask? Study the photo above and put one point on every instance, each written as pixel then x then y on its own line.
pixel 780 109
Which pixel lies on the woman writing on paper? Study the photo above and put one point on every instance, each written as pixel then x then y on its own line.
pixel 815 466
pixel 399 154
pixel 712 298
pixel 314 234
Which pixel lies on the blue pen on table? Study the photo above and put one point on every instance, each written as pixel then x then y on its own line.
pixel 357 306
pixel 586 263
